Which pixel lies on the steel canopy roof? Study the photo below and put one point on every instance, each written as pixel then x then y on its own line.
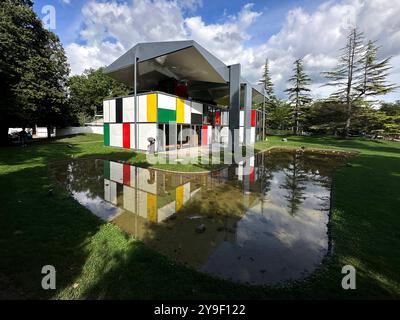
pixel 206 75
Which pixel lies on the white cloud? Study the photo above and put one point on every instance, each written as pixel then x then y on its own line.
pixel 318 36
pixel 190 5
pixel 226 39
pixel 94 56
pixel 112 28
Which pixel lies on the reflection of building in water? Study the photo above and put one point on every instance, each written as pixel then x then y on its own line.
pixel 152 195
pixel 248 231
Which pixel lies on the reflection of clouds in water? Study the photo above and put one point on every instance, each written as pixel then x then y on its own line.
pixel 272 245
pixel 279 238
pixel 97 206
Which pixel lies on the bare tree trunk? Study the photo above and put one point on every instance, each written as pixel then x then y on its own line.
pixel 348 120
pixel 296 121
pixel 49 132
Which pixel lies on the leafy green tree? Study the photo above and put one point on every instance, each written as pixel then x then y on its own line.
pixel 391 125
pixel 367 120
pixel 279 117
pixel 21 35
pixel 391 108
pixel 326 117
pixel 33 70
pixel 42 88
pixel 298 94
pixel 87 92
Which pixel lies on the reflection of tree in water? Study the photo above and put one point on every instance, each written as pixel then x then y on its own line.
pixel 265 175
pixel 82 176
pixel 295 183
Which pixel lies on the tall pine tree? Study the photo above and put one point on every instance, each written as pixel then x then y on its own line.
pixel 373 73
pixel 358 74
pixel 269 103
pixel 267 82
pixel 298 94
pixel 344 75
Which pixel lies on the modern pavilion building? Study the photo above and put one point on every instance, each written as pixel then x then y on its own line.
pixel 177 86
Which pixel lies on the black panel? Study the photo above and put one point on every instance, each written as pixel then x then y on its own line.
pixel 196 118
pixel 118 110
pixel 120 194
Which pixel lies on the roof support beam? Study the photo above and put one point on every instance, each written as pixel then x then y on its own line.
pixel 247 113
pixel 234 108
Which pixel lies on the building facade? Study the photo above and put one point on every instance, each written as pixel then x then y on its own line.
pixel 182 96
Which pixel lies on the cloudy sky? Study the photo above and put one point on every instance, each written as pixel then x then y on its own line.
pixel 96 32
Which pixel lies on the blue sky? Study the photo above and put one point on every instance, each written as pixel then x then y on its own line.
pixel 70 19
pixel 95 32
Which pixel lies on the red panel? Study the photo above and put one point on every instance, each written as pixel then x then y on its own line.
pixel 127 174
pixel 126 134
pixel 252 174
pixel 204 135
pixel 218 118
pixel 253 118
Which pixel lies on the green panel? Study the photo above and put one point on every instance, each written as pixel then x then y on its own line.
pixel 106 169
pixel 166 115
pixel 106 128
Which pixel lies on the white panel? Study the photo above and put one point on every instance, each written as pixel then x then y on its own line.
pixel 224 133
pixel 113 192
pixel 239 171
pixel 186 192
pixel 225 118
pixel 107 190
pixel 117 172
pixel 146 130
pixel 252 134
pixel 197 107
pixel 241 131
pixel 106 111
pixel 128 109
pixel 209 134
pixel 142 112
pixel 187 118
pixel 241 118
pixel 166 211
pixel 147 181
pixel 116 134
pixel 217 134
pixel 142 203
pixel 166 102
pixel 112 110
pixel 129 199
pixel 251 161
pixel 132 136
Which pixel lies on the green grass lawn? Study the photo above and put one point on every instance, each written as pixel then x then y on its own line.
pixel 96 260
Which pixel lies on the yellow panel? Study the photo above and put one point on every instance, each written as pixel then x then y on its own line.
pixel 179 198
pixel 180 110
pixel 152 207
pixel 151 107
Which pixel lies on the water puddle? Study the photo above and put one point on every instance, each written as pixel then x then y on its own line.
pixel 261 222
